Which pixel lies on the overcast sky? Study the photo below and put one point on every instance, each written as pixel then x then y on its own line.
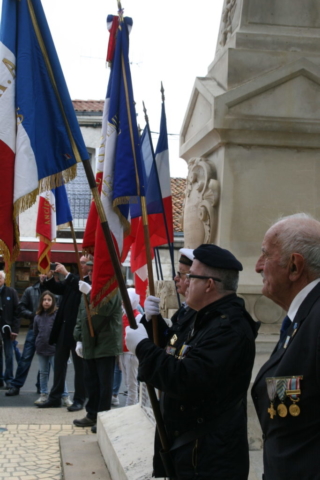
pixel 172 41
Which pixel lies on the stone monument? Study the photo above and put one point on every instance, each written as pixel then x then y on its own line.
pixel 251 134
pixel 251 138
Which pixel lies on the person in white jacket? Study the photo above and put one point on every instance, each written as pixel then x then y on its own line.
pixel 128 361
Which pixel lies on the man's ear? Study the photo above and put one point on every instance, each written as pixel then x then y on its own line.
pixel 296 266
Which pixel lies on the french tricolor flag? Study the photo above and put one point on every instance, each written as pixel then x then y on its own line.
pixel 40 139
pixel 9 235
pixel 159 204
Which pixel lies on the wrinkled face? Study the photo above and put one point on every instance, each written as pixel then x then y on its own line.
pixel 275 276
pixel 47 302
pixel 196 287
pixel 180 278
pixel 1 280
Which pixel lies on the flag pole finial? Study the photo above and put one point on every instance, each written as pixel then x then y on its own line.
pixel 145 113
pixel 162 92
pixel 120 10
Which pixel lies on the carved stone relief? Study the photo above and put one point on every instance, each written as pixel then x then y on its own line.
pixel 200 204
pixel 226 21
pixel 166 291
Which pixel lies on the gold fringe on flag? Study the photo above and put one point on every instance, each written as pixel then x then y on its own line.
pixel 4 251
pixel 45 184
pixel 99 303
pixel 44 254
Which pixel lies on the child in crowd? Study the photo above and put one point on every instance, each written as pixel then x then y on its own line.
pixel 129 362
pixel 42 327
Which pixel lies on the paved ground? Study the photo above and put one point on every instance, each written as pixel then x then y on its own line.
pixel 29 436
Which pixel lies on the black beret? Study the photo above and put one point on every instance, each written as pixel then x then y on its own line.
pixel 216 257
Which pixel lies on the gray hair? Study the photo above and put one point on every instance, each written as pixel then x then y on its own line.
pixel 300 233
pixel 3 274
pixel 229 279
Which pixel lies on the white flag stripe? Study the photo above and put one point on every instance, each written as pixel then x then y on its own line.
pixel 25 171
pixel 7 100
pixel 162 162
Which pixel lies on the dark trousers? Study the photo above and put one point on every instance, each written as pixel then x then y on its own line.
pixel 98 377
pixel 25 360
pixel 60 371
pixel 8 353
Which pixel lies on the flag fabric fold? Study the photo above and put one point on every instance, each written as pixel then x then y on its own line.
pixel 40 139
pixel 156 173
pixel 53 211
pixel 119 166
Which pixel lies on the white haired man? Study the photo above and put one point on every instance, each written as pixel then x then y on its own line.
pixel 286 391
pixel 10 324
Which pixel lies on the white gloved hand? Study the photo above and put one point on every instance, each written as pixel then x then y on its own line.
pixel 134 337
pixel 79 351
pixel 168 322
pixel 151 307
pixel 84 287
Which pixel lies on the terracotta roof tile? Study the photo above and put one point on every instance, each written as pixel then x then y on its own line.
pixel 178 186
pixel 88 105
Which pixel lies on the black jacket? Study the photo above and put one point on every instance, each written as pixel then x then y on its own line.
pixel 29 302
pixel 292 444
pixel 9 314
pixel 66 318
pixel 209 377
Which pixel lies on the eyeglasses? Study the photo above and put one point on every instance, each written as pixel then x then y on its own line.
pixel 180 274
pixel 190 275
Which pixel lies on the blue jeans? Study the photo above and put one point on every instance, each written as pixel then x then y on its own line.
pixel 117 378
pixel 45 362
pixel 25 360
pixel 8 353
pixel 16 350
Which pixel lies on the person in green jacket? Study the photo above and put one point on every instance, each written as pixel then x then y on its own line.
pixel 98 353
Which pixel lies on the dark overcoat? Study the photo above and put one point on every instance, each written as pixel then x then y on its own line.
pixel 292 444
pixel 68 309
pixel 10 313
pixel 203 382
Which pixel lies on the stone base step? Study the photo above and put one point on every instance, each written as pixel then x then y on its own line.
pixel 126 439
pixel 81 458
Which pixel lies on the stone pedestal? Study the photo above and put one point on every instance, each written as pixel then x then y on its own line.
pixel 251 133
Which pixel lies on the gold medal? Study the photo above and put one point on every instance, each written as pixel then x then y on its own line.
pixel 294 410
pixel 272 412
pixel 293 393
pixel 282 410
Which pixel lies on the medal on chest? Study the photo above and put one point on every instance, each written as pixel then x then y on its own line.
pixel 283 388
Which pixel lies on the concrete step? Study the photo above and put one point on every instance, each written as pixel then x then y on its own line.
pixel 81 458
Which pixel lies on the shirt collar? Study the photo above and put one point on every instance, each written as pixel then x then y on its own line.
pixel 298 299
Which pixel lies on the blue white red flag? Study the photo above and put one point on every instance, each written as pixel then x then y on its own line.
pixel 40 139
pixel 53 212
pixel 119 165
pixel 158 199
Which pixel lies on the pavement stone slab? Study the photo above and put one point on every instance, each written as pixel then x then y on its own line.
pixel 40 457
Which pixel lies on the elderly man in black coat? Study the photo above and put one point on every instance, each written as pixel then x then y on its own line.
pixel 286 392
pixel 9 324
pixel 205 381
pixel 62 336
